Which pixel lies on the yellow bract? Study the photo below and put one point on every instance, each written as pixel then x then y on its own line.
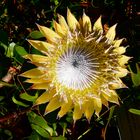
pixel 72 21
pixel 63 23
pixel 87 22
pixel 111 33
pixel 49 34
pixel 98 25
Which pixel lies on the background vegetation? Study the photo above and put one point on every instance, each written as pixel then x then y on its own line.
pixel 18 119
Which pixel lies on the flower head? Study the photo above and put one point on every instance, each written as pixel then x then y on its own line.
pixel 80 69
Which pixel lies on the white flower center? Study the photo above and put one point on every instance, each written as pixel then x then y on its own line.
pixel 77 69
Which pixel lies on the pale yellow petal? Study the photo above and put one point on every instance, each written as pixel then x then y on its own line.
pixel 72 21
pixel 117 84
pixel 104 101
pixel 58 28
pixel 36 80
pixel 87 22
pixel 120 50
pixel 44 85
pixel 114 97
pixel 97 105
pixel 36 58
pixel 98 25
pixel 77 113
pixel 117 43
pixel 65 107
pixel 54 104
pixel 45 97
pixel 49 34
pixel 106 94
pixel 123 60
pixel 63 23
pixel 111 33
pixel 88 109
pixel 33 73
pixel 42 46
pixel 122 72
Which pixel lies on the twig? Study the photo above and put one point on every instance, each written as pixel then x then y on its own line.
pixel 14 115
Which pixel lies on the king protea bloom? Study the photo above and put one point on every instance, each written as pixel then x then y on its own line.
pixel 81 66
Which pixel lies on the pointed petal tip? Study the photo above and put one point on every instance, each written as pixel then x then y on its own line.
pixel 84 14
pixel 100 17
pixel 97 114
pixel 38 26
pixel 21 75
pixel 98 25
pixel 86 23
pixel 45 113
pixel 88 120
pixel 68 10
pixel 111 33
pixel 58 15
pixel 74 122
pixel 26 81
pixel 36 23
pixel 124 86
pixel 115 25
pixel 72 21
pixel 118 103
pixel 58 118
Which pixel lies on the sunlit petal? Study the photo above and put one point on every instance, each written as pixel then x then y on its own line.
pixel 98 25
pixel 111 33
pixel 72 21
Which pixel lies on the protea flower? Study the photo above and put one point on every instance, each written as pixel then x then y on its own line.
pixel 80 69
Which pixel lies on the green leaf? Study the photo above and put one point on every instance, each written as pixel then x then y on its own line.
pixel 135 76
pixel 134 111
pixel 10 49
pixel 19 102
pixel 36 35
pixel 56 2
pixel 28 97
pixel 40 131
pixel 40 121
pixel 20 50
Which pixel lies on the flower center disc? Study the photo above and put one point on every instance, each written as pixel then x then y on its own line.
pixel 76 69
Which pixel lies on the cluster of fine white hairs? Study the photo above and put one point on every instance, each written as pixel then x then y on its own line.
pixel 76 68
